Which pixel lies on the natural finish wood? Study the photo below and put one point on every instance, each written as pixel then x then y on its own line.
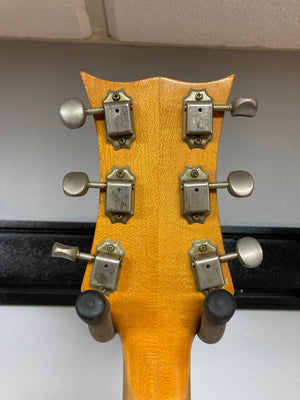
pixel 157 309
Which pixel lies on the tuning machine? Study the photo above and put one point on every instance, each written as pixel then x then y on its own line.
pixel 107 263
pixel 195 186
pixel 198 109
pixel 219 305
pixel 117 111
pixel 119 188
pixel 206 261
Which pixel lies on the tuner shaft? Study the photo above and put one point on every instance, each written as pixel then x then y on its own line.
pixel 222 107
pixel 86 256
pixel 228 257
pixel 218 185
pixel 97 185
pixel 94 111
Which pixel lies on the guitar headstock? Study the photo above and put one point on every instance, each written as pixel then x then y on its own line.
pixel 157 273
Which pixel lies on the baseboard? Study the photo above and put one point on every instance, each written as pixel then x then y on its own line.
pixel 30 276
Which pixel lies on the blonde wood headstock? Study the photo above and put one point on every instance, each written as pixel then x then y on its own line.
pixel 157 309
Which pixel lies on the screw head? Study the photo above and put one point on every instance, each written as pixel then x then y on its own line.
pixel 196 217
pixel 198 96
pixel 120 173
pixel 194 173
pixel 197 141
pixel 121 140
pixel 116 96
pixel 119 216
pixel 203 248
pixel 110 248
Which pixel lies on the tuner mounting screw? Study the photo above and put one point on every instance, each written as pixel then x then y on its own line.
pixel 197 141
pixel 194 173
pixel 122 140
pixel 110 248
pixel 119 216
pixel 120 173
pixel 116 96
pixel 196 217
pixel 203 248
pixel 198 96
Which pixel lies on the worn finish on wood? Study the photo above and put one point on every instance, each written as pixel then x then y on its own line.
pixel 157 309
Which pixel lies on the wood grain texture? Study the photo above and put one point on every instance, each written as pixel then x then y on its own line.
pixel 157 309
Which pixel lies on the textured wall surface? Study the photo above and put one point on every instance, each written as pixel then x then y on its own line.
pixel 37 150
pixel 44 19
pixel 233 23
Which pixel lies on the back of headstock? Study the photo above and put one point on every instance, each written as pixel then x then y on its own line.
pixel 158 253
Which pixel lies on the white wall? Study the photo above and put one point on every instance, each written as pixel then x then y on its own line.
pixel 46 352
pixel 37 150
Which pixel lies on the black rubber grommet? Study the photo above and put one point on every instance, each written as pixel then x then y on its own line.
pixel 90 306
pixel 219 306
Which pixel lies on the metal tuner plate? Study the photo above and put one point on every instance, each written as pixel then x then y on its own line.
pixel 194 194
pixel 107 265
pixel 119 120
pixel 119 202
pixel 197 119
pixel 206 265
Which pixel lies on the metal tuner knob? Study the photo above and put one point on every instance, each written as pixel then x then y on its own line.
pixel 78 183
pixel 242 106
pixel 248 251
pixel 239 184
pixel 73 112
pixel 93 308
pixel 71 253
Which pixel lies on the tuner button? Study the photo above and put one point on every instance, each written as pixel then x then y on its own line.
pixel 249 252
pixel 240 183
pixel 75 184
pixel 63 251
pixel 246 107
pixel 72 113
